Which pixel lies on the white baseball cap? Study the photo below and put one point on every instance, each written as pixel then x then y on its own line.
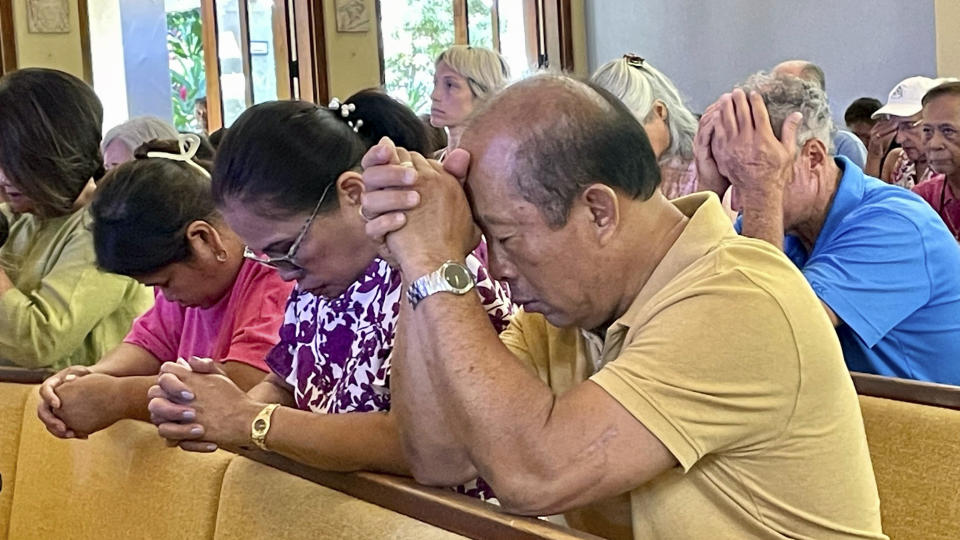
pixel 906 97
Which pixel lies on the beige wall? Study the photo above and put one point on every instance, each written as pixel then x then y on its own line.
pixel 948 38
pixel 353 59
pixel 58 51
pixel 580 67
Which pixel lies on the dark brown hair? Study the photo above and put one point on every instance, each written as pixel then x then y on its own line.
pixel 142 208
pixel 282 155
pixel 50 129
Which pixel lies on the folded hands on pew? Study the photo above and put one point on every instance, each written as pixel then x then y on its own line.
pixel 77 402
pixel 197 407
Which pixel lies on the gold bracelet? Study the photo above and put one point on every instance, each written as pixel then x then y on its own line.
pixel 261 426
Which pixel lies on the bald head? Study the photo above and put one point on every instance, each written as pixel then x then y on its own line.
pixel 802 69
pixel 564 135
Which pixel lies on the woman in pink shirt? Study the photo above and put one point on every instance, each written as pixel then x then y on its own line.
pixel 154 220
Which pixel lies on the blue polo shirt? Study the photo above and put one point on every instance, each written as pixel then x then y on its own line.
pixel 888 267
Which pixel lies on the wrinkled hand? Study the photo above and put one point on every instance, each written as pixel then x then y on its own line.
pixel 880 136
pixel 199 408
pixel 89 403
pixel 50 401
pixel 708 174
pixel 746 149
pixel 418 206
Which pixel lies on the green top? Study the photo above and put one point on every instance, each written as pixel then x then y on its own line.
pixel 64 309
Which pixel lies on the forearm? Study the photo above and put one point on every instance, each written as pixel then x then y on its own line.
pixel 436 455
pixel 132 398
pixel 482 388
pixel 127 360
pixel 763 216
pixel 272 389
pixel 244 375
pixel 338 442
pixel 38 328
pixel 872 165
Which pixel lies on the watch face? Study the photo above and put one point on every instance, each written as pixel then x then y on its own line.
pixel 260 424
pixel 457 276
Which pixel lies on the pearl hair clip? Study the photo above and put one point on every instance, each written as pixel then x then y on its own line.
pixel 345 110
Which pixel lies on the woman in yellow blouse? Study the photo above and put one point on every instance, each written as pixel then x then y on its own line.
pixel 56 307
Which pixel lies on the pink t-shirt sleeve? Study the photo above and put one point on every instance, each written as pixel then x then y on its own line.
pixel 159 329
pixel 260 297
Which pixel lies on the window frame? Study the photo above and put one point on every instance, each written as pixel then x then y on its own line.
pixel 548 28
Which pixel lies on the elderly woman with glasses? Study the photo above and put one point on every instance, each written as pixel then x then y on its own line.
pixel 464 77
pixel 288 180
pixel 153 219
pixel 657 104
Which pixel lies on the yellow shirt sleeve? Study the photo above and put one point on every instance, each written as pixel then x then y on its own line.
pixel 712 370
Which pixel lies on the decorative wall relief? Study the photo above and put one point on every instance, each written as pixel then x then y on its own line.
pixel 353 16
pixel 48 16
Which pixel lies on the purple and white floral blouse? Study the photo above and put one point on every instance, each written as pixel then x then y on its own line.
pixel 335 352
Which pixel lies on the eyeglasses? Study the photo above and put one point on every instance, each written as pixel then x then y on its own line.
pixel 287 263
pixel 908 125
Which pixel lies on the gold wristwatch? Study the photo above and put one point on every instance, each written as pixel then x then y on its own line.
pixel 261 426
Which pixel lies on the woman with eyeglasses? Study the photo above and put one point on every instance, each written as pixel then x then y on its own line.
pixel 288 180
pixel 56 307
pixel 464 77
pixel 154 220
pixel 657 104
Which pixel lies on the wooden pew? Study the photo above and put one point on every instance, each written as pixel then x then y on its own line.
pixel 924 393
pixel 913 431
pixel 124 483
pixel 21 375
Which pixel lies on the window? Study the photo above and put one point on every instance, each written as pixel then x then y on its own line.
pixel 200 63
pixel 415 32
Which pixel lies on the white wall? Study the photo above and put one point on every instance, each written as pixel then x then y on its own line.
pixel 109 73
pixel 706 46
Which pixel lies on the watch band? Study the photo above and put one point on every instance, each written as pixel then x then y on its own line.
pixel 261 426
pixel 439 281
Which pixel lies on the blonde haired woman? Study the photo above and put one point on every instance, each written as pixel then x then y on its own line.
pixel 464 77
pixel 670 126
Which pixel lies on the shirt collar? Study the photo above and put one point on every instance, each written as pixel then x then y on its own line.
pixel 708 225
pixel 846 199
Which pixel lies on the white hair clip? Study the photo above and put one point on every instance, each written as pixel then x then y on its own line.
pixel 189 143
pixel 356 126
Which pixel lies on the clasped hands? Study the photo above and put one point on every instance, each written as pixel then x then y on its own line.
pixel 735 146
pixel 193 404
pixel 417 208
pixel 197 407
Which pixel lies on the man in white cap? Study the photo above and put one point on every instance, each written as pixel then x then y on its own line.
pixel 907 166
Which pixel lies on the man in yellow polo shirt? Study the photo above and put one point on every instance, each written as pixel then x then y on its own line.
pixel 666 377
